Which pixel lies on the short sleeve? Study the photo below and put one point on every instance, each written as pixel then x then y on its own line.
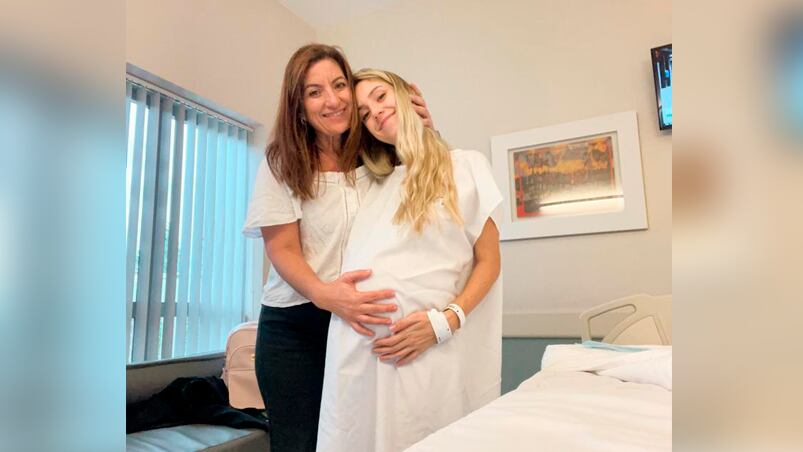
pixel 479 196
pixel 272 203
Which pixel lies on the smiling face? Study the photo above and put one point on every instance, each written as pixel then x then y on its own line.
pixel 376 103
pixel 327 99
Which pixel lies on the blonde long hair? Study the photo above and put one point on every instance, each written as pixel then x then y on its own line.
pixel 429 164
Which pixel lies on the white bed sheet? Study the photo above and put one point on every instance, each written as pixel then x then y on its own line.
pixel 564 410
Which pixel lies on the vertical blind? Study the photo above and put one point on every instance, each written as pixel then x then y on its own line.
pixel 188 267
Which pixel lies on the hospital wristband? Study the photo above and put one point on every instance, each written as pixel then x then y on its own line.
pixel 439 325
pixel 461 315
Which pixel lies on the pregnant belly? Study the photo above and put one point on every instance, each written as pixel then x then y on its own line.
pixel 410 296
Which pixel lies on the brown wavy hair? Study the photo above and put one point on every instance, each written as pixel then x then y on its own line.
pixel 292 154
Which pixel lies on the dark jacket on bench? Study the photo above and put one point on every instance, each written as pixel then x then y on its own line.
pixel 194 400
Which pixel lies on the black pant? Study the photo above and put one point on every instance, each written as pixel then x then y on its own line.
pixel 290 356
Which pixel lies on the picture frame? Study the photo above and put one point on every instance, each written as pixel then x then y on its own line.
pixel 581 177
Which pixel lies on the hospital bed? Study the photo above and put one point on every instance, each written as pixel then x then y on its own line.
pixel 595 396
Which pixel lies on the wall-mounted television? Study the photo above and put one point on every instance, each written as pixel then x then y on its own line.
pixel 662 75
pixel 788 73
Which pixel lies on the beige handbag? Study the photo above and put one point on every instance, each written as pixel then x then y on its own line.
pixel 238 371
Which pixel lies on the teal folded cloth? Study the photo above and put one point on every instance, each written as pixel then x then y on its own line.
pixel 615 348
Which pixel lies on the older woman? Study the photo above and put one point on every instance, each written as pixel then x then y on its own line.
pixel 425 229
pixel 305 197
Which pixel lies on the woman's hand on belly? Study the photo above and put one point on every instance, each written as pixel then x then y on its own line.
pixel 342 298
pixel 412 336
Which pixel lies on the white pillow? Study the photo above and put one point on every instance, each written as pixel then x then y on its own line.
pixel 657 371
pixel 651 366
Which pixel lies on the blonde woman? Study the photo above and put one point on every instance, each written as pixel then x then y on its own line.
pixel 425 229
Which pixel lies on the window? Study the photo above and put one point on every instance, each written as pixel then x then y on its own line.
pixel 189 269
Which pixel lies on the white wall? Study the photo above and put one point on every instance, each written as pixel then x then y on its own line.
pixel 488 68
pixel 230 52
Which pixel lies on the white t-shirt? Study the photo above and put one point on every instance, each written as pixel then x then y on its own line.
pixel 324 227
pixel 371 405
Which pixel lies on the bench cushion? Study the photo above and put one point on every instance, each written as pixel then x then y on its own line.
pixel 197 437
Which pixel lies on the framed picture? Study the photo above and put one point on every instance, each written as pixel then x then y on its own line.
pixel 580 177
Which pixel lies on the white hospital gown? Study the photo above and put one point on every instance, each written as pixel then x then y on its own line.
pixel 369 405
